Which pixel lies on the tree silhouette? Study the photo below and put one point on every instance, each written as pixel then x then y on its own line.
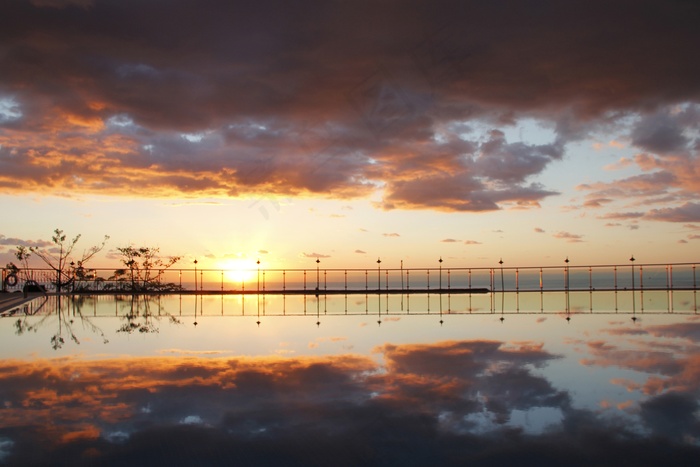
pixel 59 257
pixel 67 311
pixel 144 270
pixel 139 317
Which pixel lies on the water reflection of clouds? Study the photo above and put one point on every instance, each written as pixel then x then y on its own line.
pixel 443 403
pixel 667 358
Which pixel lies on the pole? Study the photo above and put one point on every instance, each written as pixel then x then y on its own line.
pixel 632 267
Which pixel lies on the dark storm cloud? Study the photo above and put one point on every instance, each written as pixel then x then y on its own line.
pixel 332 98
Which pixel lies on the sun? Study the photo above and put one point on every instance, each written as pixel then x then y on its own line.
pixel 239 270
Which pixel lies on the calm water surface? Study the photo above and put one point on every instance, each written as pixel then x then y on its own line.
pixel 356 380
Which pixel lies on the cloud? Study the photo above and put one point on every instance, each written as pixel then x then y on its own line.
pixel 622 163
pixel 360 252
pixel 449 240
pixel 659 133
pixel 539 230
pixel 471 242
pixel 596 203
pixel 514 162
pixel 59 4
pixel 10 241
pixel 364 99
pixel 393 234
pixel 568 236
pixel 668 184
pixel 314 255
pixel 688 212
pixel 623 215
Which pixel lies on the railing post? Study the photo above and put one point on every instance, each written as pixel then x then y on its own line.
pixel 695 292
pixel 633 297
pixel 318 261
pixel 195 275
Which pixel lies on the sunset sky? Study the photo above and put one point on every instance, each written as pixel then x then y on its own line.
pixel 351 130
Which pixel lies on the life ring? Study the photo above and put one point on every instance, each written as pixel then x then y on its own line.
pixel 11 280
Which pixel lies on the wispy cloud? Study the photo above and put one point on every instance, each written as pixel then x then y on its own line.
pixel 314 255
pixel 568 236
pixel 11 241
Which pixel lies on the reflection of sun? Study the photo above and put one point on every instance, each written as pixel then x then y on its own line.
pixel 239 270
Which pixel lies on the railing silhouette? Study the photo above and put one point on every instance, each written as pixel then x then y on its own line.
pixel 434 280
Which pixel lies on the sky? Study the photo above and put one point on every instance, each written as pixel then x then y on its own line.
pixel 347 131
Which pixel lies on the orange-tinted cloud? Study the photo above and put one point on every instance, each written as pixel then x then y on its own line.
pixel 340 99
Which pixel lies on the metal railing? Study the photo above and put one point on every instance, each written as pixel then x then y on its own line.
pixel 671 276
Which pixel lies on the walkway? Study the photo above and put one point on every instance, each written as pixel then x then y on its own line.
pixel 12 300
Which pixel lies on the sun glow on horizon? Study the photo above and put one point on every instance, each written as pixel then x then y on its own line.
pixel 238 270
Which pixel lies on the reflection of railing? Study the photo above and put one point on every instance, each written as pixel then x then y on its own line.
pixel 146 313
pixel 676 276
